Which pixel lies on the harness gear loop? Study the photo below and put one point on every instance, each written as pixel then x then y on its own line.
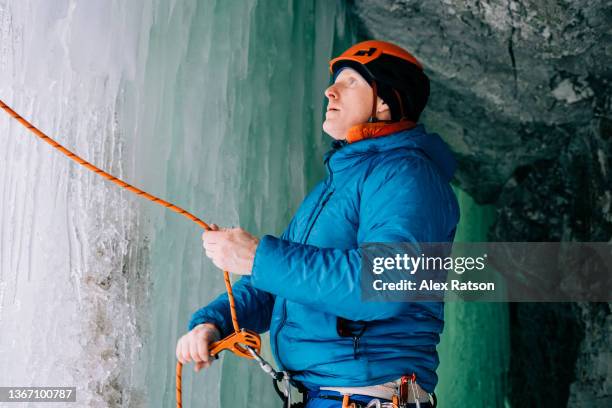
pixel 345 402
pixel 235 342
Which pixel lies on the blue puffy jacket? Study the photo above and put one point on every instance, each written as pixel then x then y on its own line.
pixel 387 189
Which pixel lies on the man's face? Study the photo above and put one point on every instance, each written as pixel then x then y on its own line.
pixel 349 103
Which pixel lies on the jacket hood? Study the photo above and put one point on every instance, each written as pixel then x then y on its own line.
pixel 343 155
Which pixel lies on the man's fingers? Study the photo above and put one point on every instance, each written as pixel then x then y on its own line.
pixel 179 357
pixel 210 253
pixel 181 351
pixel 213 228
pixel 193 349
pixel 210 237
pixel 203 350
pixel 184 351
pixel 209 245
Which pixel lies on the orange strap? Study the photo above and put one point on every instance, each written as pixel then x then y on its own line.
pixel 236 341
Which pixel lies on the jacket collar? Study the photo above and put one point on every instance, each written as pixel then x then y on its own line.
pixel 376 129
pixel 345 155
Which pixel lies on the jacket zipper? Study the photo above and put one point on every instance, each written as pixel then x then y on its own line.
pixel 321 204
pixel 311 226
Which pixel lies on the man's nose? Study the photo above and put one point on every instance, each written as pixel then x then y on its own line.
pixel 331 92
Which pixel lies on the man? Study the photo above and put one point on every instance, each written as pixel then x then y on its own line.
pixel 388 181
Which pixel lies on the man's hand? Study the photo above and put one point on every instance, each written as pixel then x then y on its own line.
pixel 230 249
pixel 194 345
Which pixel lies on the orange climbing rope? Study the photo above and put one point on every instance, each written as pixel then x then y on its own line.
pixel 237 342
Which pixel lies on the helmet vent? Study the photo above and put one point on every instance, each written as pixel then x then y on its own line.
pixel 369 52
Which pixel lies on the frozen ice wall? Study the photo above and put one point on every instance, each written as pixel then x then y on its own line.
pixel 73 274
pixel 213 105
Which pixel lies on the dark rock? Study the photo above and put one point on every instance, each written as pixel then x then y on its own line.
pixel 521 91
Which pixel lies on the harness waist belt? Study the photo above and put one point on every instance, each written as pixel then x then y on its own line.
pixel 384 391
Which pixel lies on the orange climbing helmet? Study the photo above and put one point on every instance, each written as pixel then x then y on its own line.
pixel 394 74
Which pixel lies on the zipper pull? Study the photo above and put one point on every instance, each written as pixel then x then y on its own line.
pixel 355 347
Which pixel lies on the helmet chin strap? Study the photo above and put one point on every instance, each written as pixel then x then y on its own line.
pixel 401 104
pixel 377 128
pixel 373 118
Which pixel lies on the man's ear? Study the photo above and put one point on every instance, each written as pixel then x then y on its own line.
pixel 382 110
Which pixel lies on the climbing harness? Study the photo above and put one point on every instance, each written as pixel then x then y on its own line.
pixel 401 393
pixel 242 342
